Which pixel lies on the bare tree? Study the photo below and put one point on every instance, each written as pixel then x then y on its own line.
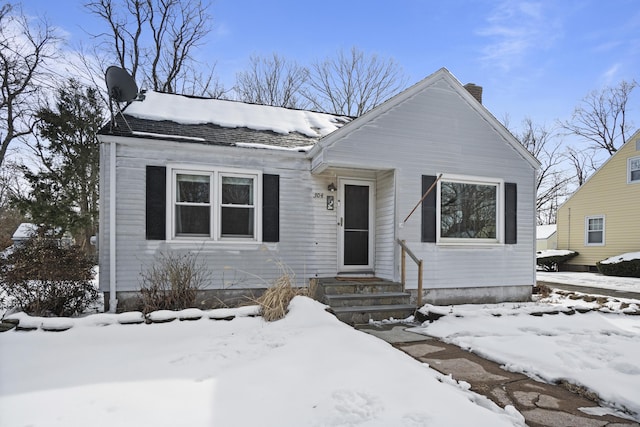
pixel 583 162
pixel 353 83
pixel 551 182
pixel 272 81
pixel 155 41
pixel 25 48
pixel 601 118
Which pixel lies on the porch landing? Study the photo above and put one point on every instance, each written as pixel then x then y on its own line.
pixel 358 300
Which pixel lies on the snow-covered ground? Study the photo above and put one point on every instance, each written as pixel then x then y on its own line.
pixel 596 349
pixel 308 369
pixel 597 280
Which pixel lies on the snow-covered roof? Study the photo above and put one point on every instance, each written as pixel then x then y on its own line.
pixel 545 231
pixel 24 231
pixel 232 114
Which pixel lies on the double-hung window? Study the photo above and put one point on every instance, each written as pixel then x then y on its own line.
pixel 469 210
pixel 193 204
pixel 237 206
pixel 633 170
pixel 594 230
pixel 214 205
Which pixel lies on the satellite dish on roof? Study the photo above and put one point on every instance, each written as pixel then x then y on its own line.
pixel 122 87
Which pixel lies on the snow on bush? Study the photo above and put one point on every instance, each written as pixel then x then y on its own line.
pixel 550 259
pixel 625 265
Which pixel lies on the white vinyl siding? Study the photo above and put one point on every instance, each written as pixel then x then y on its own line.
pixel 233 263
pixel 434 132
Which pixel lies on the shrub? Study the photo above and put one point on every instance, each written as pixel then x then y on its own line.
pixel 552 261
pixel 43 278
pixel 628 268
pixel 172 282
pixel 274 302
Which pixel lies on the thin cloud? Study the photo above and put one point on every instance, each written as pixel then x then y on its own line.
pixel 607 46
pixel 221 30
pixel 610 75
pixel 515 29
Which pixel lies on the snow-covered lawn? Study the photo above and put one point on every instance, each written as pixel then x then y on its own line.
pixel 597 349
pixel 597 280
pixel 308 369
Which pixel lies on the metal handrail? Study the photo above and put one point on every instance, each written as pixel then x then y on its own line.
pixel 403 271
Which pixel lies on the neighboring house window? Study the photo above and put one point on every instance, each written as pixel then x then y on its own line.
pixel 469 211
pixel 203 210
pixel 633 169
pixel 594 231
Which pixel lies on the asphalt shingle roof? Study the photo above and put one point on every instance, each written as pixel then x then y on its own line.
pixel 206 133
pixel 153 122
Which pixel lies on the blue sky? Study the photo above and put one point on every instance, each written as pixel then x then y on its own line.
pixel 534 59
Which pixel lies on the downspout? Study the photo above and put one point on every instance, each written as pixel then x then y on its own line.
pixel 535 224
pixel 113 302
pixel 569 231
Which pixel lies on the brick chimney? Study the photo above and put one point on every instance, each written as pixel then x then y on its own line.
pixel 475 91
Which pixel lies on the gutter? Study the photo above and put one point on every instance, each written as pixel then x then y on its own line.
pixel 113 302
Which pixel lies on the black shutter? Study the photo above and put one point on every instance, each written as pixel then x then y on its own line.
pixel 156 203
pixel 428 210
pixel 270 208
pixel 510 213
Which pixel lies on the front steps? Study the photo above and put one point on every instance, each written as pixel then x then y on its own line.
pixel 356 300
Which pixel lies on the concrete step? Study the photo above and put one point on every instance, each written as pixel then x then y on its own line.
pixel 362 314
pixel 367 299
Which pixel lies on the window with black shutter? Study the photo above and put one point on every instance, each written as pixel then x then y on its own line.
pixel 209 204
pixel 468 211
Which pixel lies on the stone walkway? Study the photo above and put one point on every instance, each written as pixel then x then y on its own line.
pixel 541 404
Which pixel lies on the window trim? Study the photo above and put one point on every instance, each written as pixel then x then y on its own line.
pixel 629 180
pixel 500 211
pixel 586 230
pixel 216 174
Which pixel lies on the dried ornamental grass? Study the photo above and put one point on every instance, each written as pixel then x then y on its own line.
pixel 275 301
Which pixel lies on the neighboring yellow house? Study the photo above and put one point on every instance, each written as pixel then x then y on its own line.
pixel 602 218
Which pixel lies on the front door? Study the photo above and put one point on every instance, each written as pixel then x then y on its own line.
pixel 356 226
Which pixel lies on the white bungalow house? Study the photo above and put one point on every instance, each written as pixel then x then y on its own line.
pixel 251 188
